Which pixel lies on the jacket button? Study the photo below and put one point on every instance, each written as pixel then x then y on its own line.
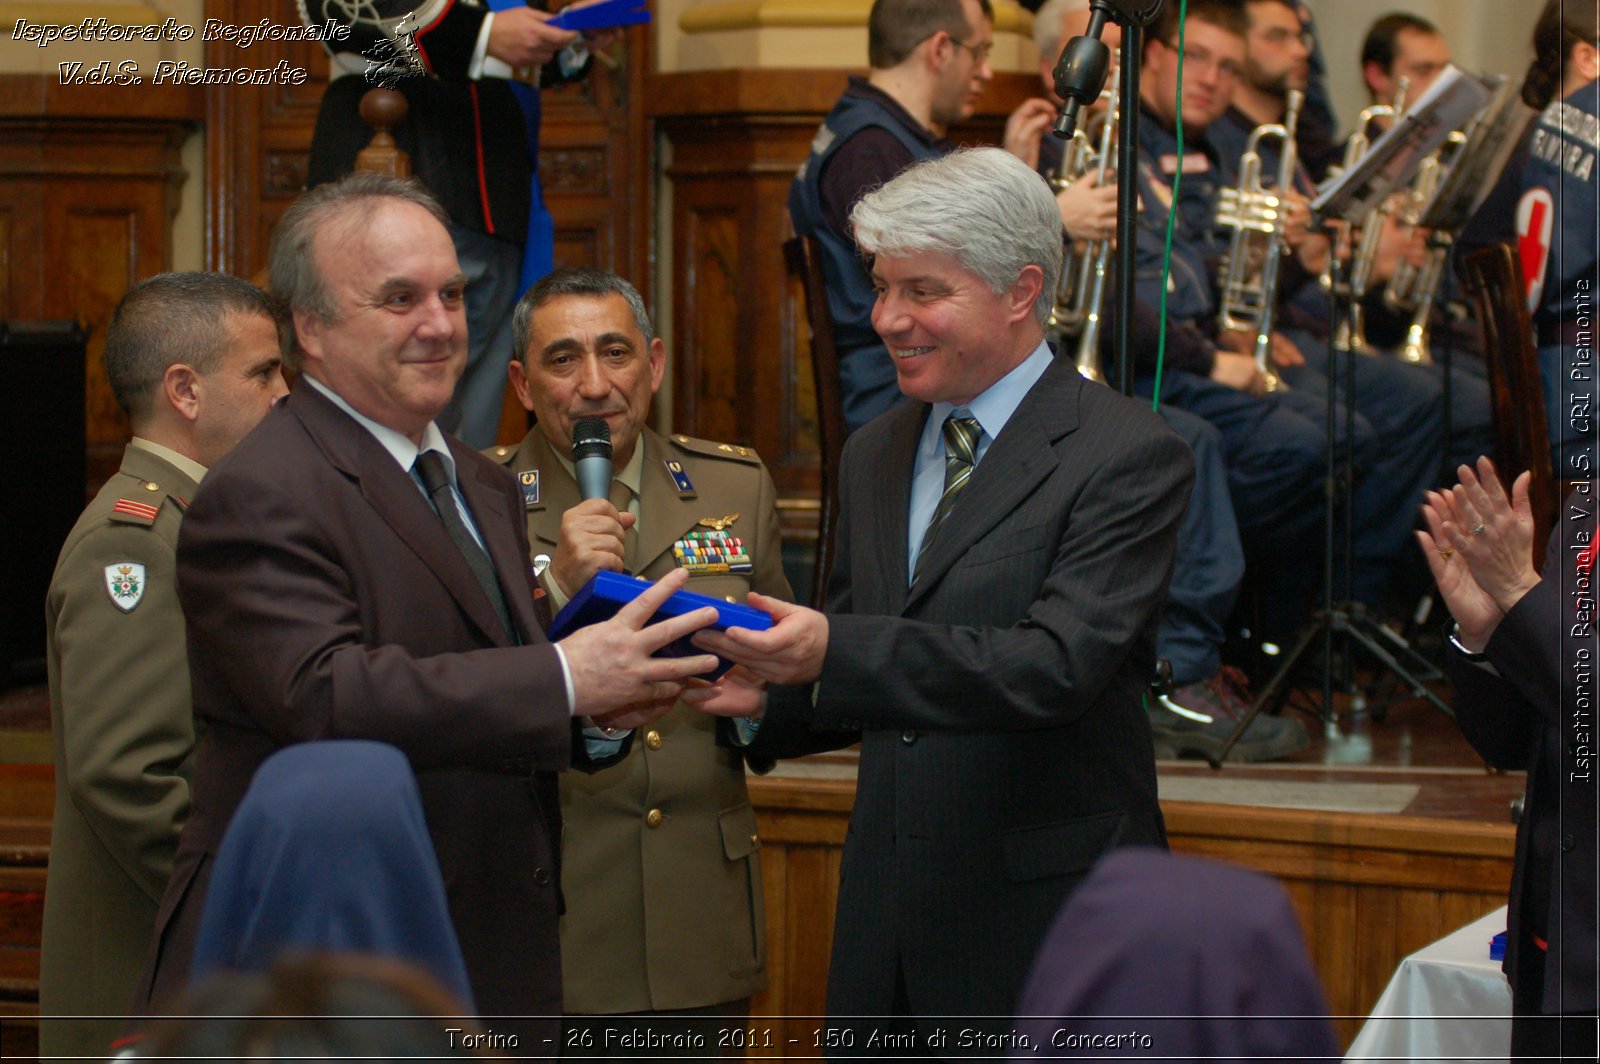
pixel 908 737
pixel 654 818
pixel 652 739
pixel 1567 843
pixel 541 876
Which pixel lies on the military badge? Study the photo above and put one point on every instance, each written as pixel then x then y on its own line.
pixel 717 524
pixel 125 584
pixel 528 479
pixel 679 478
pixel 711 553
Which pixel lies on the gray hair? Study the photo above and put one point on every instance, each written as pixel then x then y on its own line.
pixel 983 206
pixel 292 273
pixel 1047 25
pixel 574 281
pixel 171 318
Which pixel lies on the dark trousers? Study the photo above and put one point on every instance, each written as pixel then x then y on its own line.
pixel 1210 560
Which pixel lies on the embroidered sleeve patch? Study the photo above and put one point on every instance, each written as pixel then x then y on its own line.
pixel 125 584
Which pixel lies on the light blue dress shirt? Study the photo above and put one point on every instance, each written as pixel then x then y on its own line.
pixel 992 409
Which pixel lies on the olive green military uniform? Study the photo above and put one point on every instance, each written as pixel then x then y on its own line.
pixel 124 735
pixel 659 865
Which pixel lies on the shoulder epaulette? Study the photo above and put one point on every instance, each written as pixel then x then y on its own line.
pixel 734 451
pixel 501 455
pixel 134 512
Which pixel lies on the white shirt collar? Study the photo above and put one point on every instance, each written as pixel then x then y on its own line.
pixel 397 443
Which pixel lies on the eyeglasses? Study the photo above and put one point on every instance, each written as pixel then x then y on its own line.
pixel 980 53
pixel 1280 36
pixel 1206 61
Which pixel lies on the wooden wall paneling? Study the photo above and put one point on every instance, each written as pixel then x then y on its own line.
pixel 258 136
pixel 739 348
pixel 1368 890
pixel 6 237
pixel 89 186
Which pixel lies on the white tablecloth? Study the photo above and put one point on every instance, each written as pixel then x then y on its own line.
pixel 1447 1001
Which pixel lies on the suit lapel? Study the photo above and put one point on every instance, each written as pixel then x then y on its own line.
pixel 1012 467
pixel 396 498
pixel 483 486
pixel 888 507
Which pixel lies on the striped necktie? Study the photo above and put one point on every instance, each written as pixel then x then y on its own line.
pixel 961 432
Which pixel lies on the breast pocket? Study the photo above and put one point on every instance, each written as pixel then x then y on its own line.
pixel 1005 544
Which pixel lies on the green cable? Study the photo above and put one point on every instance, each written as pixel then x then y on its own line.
pixel 1172 213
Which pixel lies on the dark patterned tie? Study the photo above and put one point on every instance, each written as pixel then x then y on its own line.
pixel 430 465
pixel 961 432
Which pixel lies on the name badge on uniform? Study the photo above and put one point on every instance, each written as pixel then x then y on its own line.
pixel 125 584
pixel 709 553
pixel 679 478
pixel 1194 162
pixel 528 480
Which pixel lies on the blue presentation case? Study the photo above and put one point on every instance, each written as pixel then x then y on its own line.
pixel 607 592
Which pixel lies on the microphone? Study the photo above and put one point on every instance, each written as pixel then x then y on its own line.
pixel 1080 71
pixel 591 457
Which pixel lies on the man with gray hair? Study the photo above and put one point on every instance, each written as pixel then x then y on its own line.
pixel 1005 540
pixel 193 360
pixel 352 572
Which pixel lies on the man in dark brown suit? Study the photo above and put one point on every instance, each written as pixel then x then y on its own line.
pixel 351 572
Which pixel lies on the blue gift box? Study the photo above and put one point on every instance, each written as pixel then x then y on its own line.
pixel 607 592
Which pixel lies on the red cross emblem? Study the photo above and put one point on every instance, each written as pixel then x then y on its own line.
pixel 1535 218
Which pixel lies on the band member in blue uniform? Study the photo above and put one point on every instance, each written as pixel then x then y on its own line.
pixel 1558 229
pixel 1391 457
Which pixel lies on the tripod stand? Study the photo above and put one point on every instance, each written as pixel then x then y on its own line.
pixel 1339 617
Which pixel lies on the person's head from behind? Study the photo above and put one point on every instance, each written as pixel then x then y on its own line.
pixel 1402 46
pixel 943 44
pixel 585 348
pixel 194 360
pixel 966 252
pixel 1565 54
pixel 369 274
pixel 1213 62
pixel 318 1006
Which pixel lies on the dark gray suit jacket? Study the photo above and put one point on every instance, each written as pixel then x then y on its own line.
pixel 325 600
pixel 1003 743
pixel 1534 712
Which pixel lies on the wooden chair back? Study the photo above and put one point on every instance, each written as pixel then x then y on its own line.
pixel 803 257
pixel 1493 278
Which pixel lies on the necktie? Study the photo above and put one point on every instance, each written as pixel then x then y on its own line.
pixel 621 497
pixel 961 431
pixel 430 465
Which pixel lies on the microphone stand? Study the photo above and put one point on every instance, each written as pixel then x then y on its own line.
pixel 1079 76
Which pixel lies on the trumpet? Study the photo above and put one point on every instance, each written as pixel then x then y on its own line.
pixel 1352 333
pixel 1415 288
pixel 1256 216
pixel 1080 296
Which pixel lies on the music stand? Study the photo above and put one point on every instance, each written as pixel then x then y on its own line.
pixel 1390 164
